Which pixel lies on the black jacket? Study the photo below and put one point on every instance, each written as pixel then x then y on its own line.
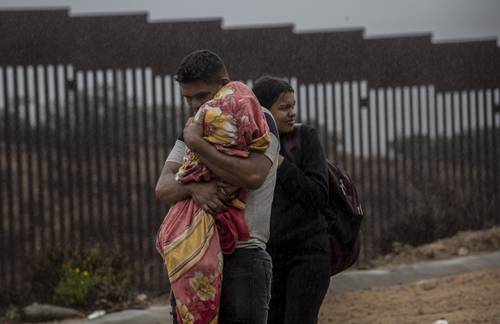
pixel 301 191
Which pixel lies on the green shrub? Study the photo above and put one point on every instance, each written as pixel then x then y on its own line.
pixel 76 286
pixel 93 279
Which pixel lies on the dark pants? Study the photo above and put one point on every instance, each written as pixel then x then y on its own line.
pixel 246 285
pixel 301 276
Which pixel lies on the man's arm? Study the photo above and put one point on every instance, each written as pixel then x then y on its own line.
pixel 249 173
pixel 168 190
pixel 206 195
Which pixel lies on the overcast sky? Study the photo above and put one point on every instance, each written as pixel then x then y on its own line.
pixel 446 19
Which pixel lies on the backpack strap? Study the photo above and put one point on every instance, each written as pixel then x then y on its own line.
pixel 292 143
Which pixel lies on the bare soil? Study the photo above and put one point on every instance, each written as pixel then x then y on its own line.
pixel 462 244
pixel 467 298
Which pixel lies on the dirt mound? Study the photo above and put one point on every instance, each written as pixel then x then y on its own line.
pixel 462 244
pixel 467 298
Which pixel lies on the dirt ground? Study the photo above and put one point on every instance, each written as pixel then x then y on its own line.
pixel 467 298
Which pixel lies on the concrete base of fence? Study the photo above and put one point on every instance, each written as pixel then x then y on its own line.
pixel 362 279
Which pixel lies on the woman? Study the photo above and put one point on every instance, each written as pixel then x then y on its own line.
pixel 298 243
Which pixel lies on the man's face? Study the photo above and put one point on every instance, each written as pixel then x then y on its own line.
pixel 199 92
pixel 283 111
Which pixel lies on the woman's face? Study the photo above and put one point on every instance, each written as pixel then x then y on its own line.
pixel 283 111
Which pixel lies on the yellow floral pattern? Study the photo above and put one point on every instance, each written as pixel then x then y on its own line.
pixel 202 286
pixel 186 316
pixel 222 129
pixel 224 91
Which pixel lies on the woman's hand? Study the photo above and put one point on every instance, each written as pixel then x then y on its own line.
pixel 280 159
pixel 193 130
pixel 193 133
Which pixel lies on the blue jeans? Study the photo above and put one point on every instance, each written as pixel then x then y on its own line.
pixel 246 287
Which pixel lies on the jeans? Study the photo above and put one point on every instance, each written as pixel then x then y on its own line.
pixel 246 287
pixel 301 277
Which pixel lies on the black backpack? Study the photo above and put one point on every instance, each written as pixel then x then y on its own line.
pixel 343 212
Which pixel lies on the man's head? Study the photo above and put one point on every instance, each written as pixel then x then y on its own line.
pixel 200 75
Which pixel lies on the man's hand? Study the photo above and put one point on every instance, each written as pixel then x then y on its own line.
pixel 193 130
pixel 207 196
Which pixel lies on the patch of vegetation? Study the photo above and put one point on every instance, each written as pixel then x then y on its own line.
pixel 398 247
pixel 436 210
pixel 94 279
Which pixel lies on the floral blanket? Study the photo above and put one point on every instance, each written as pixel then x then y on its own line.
pixel 190 240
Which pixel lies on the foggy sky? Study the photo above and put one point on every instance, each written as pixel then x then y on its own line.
pixel 447 19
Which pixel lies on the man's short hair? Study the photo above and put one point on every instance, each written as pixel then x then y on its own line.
pixel 201 65
pixel 267 89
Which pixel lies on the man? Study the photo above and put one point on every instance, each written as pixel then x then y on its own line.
pixel 247 271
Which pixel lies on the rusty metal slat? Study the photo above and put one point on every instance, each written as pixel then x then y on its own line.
pixel 156 153
pixel 121 207
pixel 148 193
pixel 99 136
pixel 378 202
pixel 305 101
pixel 59 160
pixel 315 106
pixel 334 123
pixel 343 124
pixel 428 137
pixel 108 159
pixel 470 146
pixel 453 157
pixel 361 182
pixel 486 145
pixel 78 132
pixel 49 184
pixel 326 135
pixel 494 143
pixel 444 140
pixel 175 132
pixel 420 141
pixel 395 143
pixel 478 166
pixel 298 106
pixel 19 176
pixel 10 246
pixel 87 178
pixel 404 157
pixel 462 138
pixel 411 139
pixel 351 125
pixel 136 178
pixel 437 138
pixel 69 145
pixel 29 244
pixel 388 185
